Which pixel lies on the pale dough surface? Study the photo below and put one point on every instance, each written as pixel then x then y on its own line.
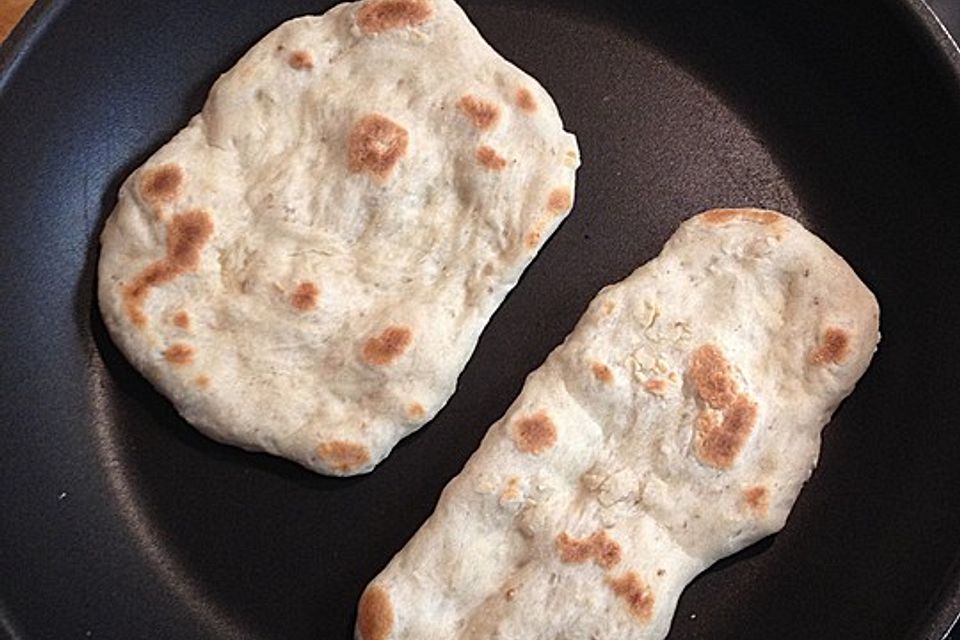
pixel 306 268
pixel 675 425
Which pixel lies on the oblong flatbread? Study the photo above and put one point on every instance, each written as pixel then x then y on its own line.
pixel 675 425
pixel 306 268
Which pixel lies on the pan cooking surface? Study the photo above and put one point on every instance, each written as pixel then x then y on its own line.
pixel 120 521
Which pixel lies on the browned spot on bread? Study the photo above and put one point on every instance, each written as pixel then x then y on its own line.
pixel 722 216
pixel 512 492
pixel 710 372
pixel 510 594
pixel 202 381
pixel 388 346
pixel 599 547
pixel 343 455
pixel 179 354
pixel 490 159
pixel 607 552
pixel 719 443
pixel 525 100
pixel 763 217
pixel 608 307
pixel 300 60
pixel 573 551
pixel 708 421
pixel 656 386
pixel 161 184
pixel 559 200
pixel 187 233
pixel 379 16
pixel 757 499
pixel 305 296
pixel 740 417
pixel 721 433
pixel 181 319
pixel 602 372
pixel 535 433
pixel 834 347
pixel 637 595
pixel 415 410
pixel 482 113
pixel 533 238
pixel 135 293
pixel 375 614
pixel 376 145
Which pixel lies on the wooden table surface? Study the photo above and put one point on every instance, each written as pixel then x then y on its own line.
pixel 10 13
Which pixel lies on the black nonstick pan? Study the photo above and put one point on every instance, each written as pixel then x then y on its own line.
pixel 118 520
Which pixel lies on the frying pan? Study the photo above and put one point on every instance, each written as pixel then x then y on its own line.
pixel 118 520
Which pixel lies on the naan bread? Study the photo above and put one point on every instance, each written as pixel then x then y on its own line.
pixel 674 426
pixel 306 268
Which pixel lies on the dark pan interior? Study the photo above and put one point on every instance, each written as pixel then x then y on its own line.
pixel 117 520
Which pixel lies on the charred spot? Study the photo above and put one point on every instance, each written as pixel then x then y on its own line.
pixel 834 347
pixel 377 16
pixel 343 455
pixel 723 427
pixel 181 319
pixel 187 234
pixel 719 442
pixel 489 158
pixel 376 145
pixel 532 239
pixel 482 113
pixel 512 490
pixel 305 296
pixel 559 201
pixel 525 100
pixel 375 614
pixel 179 354
pixel 723 216
pixel 416 411
pixel 161 184
pixel 535 433
pixel 388 346
pixel 711 376
pixel 656 386
pixel 300 60
pixel 637 595
pixel 602 372
pixel 599 547
pixel 135 292
pixel 757 499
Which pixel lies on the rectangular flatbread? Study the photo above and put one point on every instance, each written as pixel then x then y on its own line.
pixel 306 268
pixel 674 426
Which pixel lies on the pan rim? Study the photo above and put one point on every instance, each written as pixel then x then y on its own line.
pixel 31 27
pixel 43 12
pixel 935 27
pixel 943 614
